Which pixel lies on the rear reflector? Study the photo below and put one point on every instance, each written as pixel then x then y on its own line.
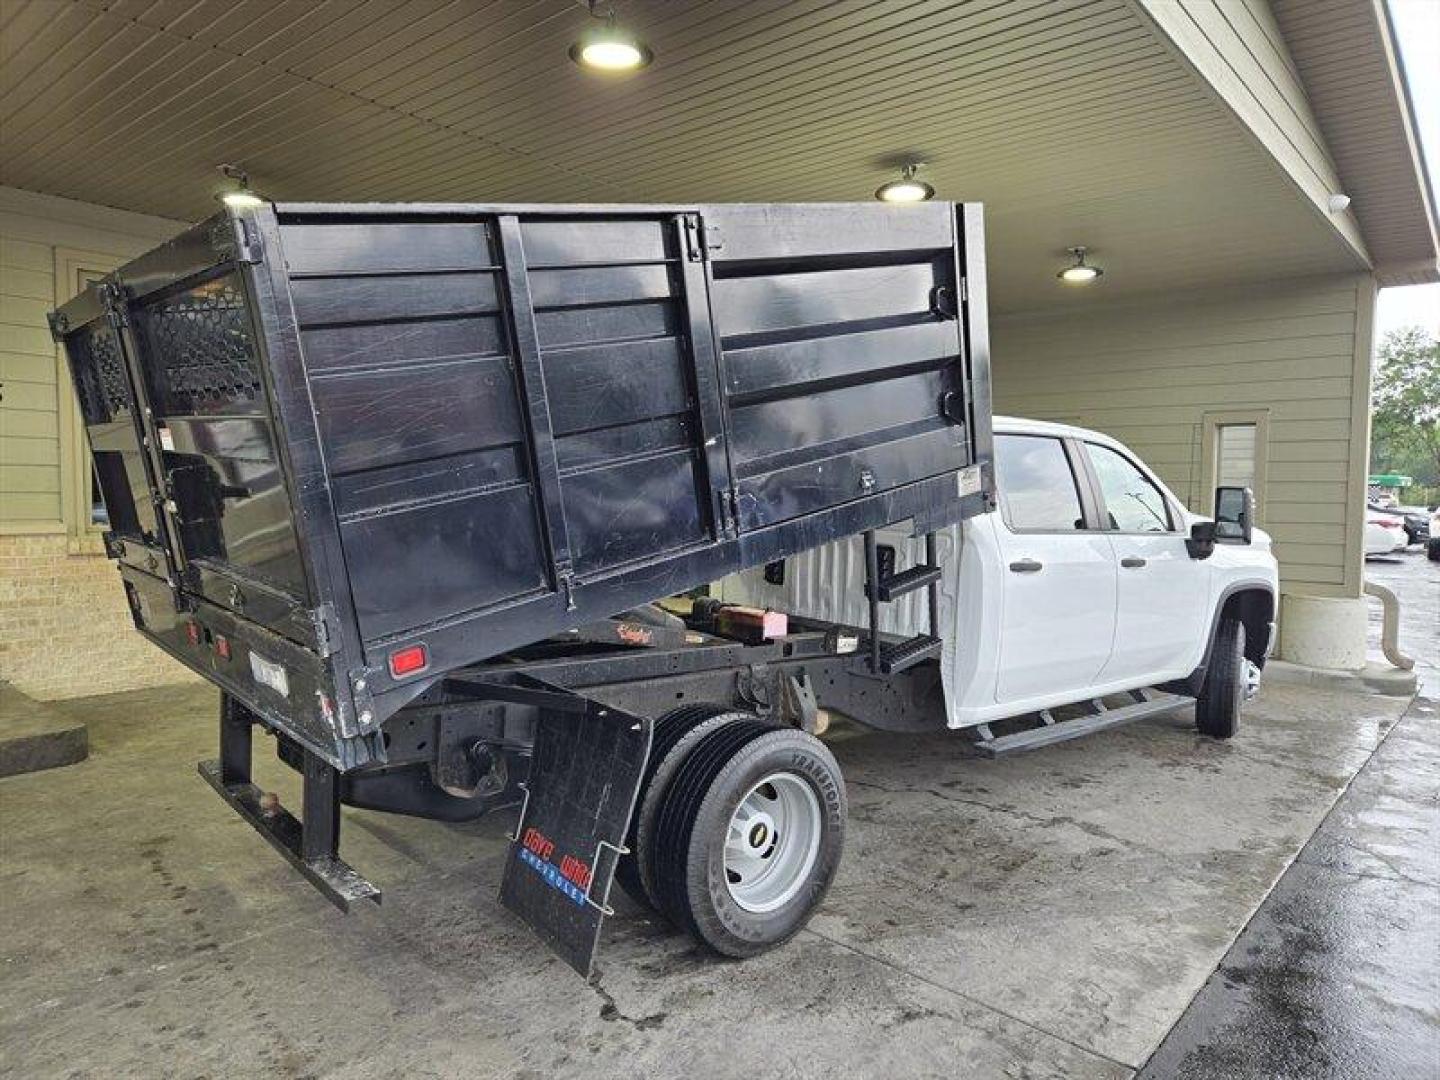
pixel 192 631
pixel 408 661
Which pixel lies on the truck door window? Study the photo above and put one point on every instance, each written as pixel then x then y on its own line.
pixel 1132 502
pixel 1037 486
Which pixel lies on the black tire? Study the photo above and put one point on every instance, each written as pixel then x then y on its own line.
pixel 669 729
pixel 1217 709
pixel 725 767
pixel 648 811
pixel 1432 549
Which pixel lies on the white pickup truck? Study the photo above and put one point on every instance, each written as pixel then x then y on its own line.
pixel 1090 581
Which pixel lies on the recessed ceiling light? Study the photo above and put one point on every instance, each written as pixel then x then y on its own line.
pixel 239 197
pixel 1079 272
pixel 610 48
pixel 907 189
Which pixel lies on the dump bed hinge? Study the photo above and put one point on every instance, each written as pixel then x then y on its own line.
pixel 566 580
pixel 238 239
pixel 116 310
pixel 701 239
pixel 327 629
pixel 729 505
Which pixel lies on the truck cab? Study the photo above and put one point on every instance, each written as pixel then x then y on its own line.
pixel 1090 578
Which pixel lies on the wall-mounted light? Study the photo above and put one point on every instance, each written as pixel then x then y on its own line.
pixel 238 197
pixel 1338 203
pixel 907 189
pixel 1079 272
pixel 609 47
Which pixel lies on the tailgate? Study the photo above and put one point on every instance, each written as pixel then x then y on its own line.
pixel 167 362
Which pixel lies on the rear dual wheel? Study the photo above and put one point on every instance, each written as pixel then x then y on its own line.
pixel 669 730
pixel 739 831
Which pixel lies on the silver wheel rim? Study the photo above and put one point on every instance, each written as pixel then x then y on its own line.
pixel 1252 680
pixel 772 842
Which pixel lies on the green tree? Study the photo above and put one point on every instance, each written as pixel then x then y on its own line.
pixel 1405 405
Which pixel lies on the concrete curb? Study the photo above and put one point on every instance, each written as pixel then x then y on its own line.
pixel 33 736
pixel 1371 679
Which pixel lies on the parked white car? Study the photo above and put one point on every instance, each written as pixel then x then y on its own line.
pixel 1384 533
pixel 1085 581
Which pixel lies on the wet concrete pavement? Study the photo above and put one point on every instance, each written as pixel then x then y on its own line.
pixel 1048 915
pixel 1338 974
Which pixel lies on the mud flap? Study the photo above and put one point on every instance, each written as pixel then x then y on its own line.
pixel 585 774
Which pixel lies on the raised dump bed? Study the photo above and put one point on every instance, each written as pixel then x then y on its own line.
pixel 347 449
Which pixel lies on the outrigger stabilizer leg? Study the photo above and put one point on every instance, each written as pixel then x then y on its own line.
pixel 310 844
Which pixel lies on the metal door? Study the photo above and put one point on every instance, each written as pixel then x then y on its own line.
pixel 623 348
pixel 97 366
pixel 841 349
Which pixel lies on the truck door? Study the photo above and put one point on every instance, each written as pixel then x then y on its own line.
pixel 1161 615
pixel 842 358
pixel 1058 577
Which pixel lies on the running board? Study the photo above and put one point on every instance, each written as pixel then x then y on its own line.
pixel 1146 703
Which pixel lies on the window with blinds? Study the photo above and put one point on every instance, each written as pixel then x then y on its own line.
pixel 1235 455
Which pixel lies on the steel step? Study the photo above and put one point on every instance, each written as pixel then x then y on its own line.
pixel 335 879
pixel 908 653
pixel 895 586
pixel 1149 703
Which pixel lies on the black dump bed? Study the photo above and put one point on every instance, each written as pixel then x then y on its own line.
pixel 346 449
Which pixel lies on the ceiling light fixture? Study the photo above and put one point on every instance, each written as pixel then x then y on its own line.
pixel 907 189
pixel 1079 272
pixel 240 197
pixel 609 48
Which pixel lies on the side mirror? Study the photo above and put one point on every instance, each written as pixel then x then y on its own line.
pixel 1234 515
pixel 1201 544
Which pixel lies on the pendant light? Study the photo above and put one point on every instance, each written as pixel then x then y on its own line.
pixel 1079 272
pixel 240 197
pixel 907 189
pixel 610 48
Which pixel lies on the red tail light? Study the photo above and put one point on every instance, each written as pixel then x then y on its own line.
pixel 222 647
pixel 192 631
pixel 409 660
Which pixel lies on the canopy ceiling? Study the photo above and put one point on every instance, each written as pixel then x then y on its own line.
pixel 1070 119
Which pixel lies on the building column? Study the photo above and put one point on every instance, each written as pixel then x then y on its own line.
pixel 1323 631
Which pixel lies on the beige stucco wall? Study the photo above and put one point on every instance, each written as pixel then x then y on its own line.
pixel 1297 354
pixel 64 627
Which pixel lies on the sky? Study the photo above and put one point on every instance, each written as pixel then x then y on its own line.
pixel 1417 30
